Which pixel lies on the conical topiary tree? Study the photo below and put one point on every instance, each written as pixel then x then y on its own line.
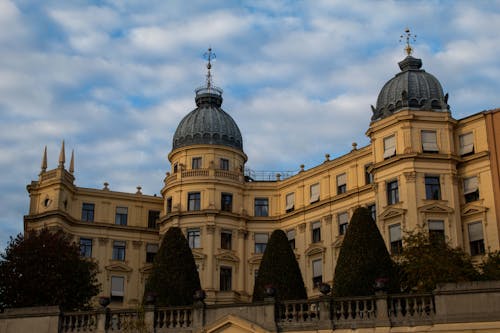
pixel 279 269
pixel 363 258
pixel 174 278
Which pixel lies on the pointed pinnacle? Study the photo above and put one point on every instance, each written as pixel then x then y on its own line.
pixel 44 160
pixel 72 162
pixel 62 156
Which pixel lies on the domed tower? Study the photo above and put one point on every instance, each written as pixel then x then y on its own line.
pixel 203 192
pixel 414 153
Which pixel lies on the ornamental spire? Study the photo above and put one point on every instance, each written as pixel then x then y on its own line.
pixel 408 36
pixel 72 162
pixel 209 55
pixel 62 156
pixel 44 160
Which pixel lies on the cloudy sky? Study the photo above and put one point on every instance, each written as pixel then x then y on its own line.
pixel 114 78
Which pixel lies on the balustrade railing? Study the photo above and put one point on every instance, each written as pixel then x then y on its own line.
pixel 401 308
pixel 172 318
pixel 227 174
pixel 120 320
pixel 79 321
pixel 298 312
pixel 354 309
pixel 195 173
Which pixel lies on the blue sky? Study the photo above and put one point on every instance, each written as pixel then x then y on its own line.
pixel 114 78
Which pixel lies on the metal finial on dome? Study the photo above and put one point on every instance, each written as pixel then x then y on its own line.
pixel 209 55
pixel 408 36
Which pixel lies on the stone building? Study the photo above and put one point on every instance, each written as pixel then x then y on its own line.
pixel 422 168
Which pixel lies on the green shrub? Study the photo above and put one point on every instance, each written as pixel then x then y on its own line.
pixel 174 278
pixel 363 258
pixel 279 269
pixel 490 267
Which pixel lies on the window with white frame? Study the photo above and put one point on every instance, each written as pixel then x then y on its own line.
pixel 395 239
pixel 194 237
pixel 341 183
pixel 436 230
pixel 261 242
pixel 429 142
pixel 290 234
pixel 471 189
pixel 476 238
pixel 118 250
pixel 316 232
pixel 314 193
pixel 343 222
pixel 117 288
pixel 290 202
pixel 466 144
pixel 389 146
pixel 317 272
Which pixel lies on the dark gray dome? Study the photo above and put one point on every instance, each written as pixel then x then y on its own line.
pixel 208 123
pixel 412 88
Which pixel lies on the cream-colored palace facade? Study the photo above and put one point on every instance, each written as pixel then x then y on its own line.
pixel 423 168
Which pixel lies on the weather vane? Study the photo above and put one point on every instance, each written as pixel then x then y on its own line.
pixel 408 36
pixel 209 55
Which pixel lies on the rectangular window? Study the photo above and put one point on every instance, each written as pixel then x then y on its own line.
pixel 226 202
pixel 436 230
pixel 368 175
pixel 176 167
pixel 196 163
pixel 169 205
pixel 226 239
pixel 389 146
pixel 261 242
pixel 392 192
pixel 153 216
pixel 432 188
pixel 121 215
pixel 225 278
pixel 290 202
pixel 476 240
pixel 429 142
pixel 466 144
pixel 314 193
pixel 117 288
pixel 193 238
pixel 343 221
pixel 88 212
pixel 151 250
pixel 118 250
pixel 395 239
pixel 290 234
pixel 86 247
pixel 194 199
pixel 261 207
pixel 373 210
pixel 471 189
pixel 317 272
pixel 341 183
pixel 316 232
pixel 224 164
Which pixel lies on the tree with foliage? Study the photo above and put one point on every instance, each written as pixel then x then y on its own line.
pixel 279 269
pixel 174 278
pixel 363 258
pixel 426 261
pixel 44 268
pixel 490 267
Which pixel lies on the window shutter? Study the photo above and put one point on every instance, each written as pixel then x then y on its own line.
pixel 151 248
pixel 261 238
pixel 317 271
pixel 466 143
pixel 395 232
pixel 429 141
pixel 117 286
pixel 290 234
pixel 314 192
pixel 121 210
pixel 389 146
pixel 290 201
pixel 316 225
pixel 470 185
pixel 343 218
pixel 436 225
pixel 341 179
pixel 475 231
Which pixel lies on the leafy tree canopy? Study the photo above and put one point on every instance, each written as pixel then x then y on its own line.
pixel 45 268
pixel 426 261
pixel 363 258
pixel 174 278
pixel 490 267
pixel 279 268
